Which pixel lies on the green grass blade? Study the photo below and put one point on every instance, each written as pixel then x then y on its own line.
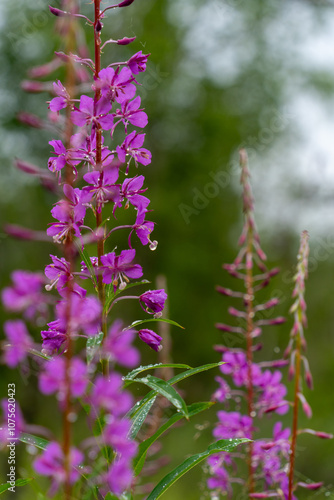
pixel 145 445
pixel 222 445
pixel 165 389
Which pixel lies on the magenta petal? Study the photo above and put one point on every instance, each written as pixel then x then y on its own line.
pixel 126 257
pixel 139 119
pixel 57 103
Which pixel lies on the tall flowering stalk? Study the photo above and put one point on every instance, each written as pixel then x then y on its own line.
pixel 259 384
pixel 299 362
pixel 298 309
pixel 89 175
pixel 263 390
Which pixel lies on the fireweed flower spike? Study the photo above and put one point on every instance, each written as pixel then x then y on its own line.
pixel 91 171
pixel 257 384
pixel 297 344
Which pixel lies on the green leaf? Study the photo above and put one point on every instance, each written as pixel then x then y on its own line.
pixel 142 321
pixel 92 346
pixel 87 261
pixel 18 482
pixel 166 390
pixel 139 417
pixel 145 445
pixel 33 440
pixel 221 445
pixel 39 354
pixel 193 371
pixel 152 394
pixel 125 496
pixel 111 295
pixel 131 375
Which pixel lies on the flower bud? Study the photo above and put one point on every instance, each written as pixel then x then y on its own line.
pixel 125 41
pixel 57 12
pixel 125 3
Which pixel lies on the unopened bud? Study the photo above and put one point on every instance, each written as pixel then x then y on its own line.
pixel 309 379
pixel 98 26
pixel 30 119
pixel 306 407
pixel 57 12
pixel 125 3
pixel 310 486
pixel 125 41
pixel 32 86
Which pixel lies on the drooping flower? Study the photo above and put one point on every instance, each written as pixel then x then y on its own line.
pixel 19 342
pixel 143 229
pixel 154 300
pixel 150 338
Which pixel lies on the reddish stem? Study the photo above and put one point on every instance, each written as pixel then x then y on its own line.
pixel 69 256
pixel 249 353
pixel 295 416
pixel 100 243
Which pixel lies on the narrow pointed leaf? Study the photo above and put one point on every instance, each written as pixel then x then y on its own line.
pixel 85 257
pixel 145 445
pixel 92 346
pixel 18 482
pixel 138 406
pixel 152 394
pixel 139 417
pixel 193 371
pixel 111 295
pixel 39 354
pixel 142 321
pixel 131 375
pixel 189 463
pixel 166 390
pixel 33 440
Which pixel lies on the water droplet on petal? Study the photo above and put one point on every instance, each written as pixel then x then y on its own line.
pixel 153 245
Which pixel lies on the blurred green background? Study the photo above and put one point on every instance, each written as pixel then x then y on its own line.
pixel 222 75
